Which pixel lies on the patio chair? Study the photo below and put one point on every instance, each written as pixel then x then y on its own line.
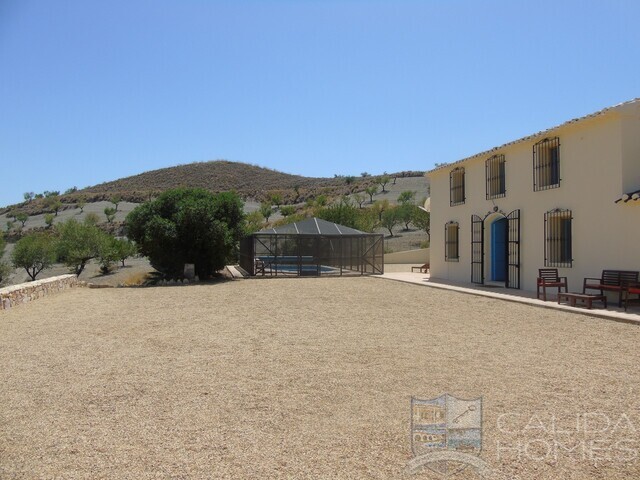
pixel 424 267
pixel 632 289
pixel 548 277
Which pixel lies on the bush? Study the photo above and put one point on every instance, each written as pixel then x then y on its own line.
pixel 34 253
pixel 188 225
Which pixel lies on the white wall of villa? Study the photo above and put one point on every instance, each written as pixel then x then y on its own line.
pixel 599 162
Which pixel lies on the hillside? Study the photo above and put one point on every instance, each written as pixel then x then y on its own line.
pixel 220 175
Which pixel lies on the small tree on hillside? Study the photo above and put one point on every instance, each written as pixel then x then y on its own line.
pixel 349 179
pixel 22 218
pixel 48 219
pixel 382 181
pixel 359 198
pixel 255 221
pixel 276 199
pixel 406 197
pixel 422 220
pixel 405 214
pixel 54 204
pixel 390 219
pixel 371 191
pixel 110 213
pixel 78 243
pixel 34 253
pixel 287 210
pixel 265 210
pixel 28 196
pixel 116 199
pixel 124 248
pixel 81 203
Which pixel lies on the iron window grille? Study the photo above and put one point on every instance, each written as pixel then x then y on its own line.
pixel 558 238
pixel 456 187
pixel 495 177
pixel 546 164
pixel 451 241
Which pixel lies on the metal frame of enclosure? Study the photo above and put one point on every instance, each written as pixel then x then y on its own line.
pixel 312 247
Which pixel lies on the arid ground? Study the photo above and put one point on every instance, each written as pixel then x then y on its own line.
pixel 306 378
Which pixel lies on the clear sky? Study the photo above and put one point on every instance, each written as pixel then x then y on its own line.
pixel 93 91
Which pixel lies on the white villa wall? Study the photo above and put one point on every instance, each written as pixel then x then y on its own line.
pixel 593 160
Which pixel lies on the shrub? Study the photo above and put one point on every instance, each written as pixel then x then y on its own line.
pixel 34 253
pixel 188 225
pixel 5 270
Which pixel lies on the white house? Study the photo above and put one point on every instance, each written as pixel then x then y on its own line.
pixel 566 197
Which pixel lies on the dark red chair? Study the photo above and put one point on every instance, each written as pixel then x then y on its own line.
pixel 548 277
pixel 632 289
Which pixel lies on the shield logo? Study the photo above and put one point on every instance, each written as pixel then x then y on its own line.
pixel 446 424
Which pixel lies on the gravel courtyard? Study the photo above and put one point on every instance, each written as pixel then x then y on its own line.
pixel 306 378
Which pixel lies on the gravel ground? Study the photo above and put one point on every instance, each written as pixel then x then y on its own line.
pixel 306 378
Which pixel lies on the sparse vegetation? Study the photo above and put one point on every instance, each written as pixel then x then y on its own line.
pixel 422 220
pixel 48 219
pixel 371 191
pixel 287 210
pixel 266 211
pixel 383 181
pixel 390 219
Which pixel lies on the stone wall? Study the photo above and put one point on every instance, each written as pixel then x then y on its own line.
pixel 25 292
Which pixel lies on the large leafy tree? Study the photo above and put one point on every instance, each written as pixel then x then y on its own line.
pixel 34 253
pixel 188 225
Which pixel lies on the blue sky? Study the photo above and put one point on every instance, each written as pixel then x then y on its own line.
pixel 93 91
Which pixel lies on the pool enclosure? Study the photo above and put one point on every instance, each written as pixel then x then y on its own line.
pixel 312 247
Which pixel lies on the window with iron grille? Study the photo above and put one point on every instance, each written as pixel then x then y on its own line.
pixel 546 164
pixel 456 187
pixel 495 171
pixel 451 242
pixel 558 238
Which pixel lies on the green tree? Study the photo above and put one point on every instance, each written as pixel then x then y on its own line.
pixel 81 203
pixel 124 248
pixel 390 219
pixel 22 218
pixel 110 214
pixel 54 204
pixel 405 214
pixel 188 225
pixel 116 199
pixel 265 210
pixel 365 174
pixel 276 199
pixel 78 243
pixel 422 220
pixel 287 210
pixel 359 198
pixel 48 219
pixel 255 221
pixel 71 190
pixel 34 253
pixel 321 200
pixel 379 207
pixel 382 181
pixel 28 196
pixel 107 253
pixel 406 197
pixel 371 191
pixel 10 225
pixel 349 179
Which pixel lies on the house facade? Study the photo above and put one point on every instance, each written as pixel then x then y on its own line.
pixel 566 198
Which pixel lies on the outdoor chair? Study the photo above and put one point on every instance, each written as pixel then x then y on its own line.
pixel 548 277
pixel 632 289
pixel 424 267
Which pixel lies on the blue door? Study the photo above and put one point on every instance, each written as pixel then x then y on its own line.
pixel 499 250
